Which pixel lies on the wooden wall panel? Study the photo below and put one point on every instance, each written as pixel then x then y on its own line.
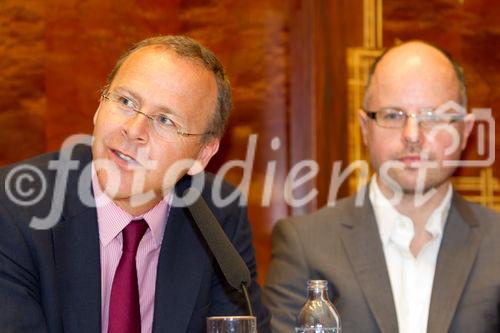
pixel 322 33
pixel 339 27
pixel 22 81
pixel 83 41
pixel 252 40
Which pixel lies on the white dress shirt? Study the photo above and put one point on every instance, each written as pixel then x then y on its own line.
pixel 411 277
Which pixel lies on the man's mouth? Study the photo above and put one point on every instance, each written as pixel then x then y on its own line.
pixel 125 157
pixel 410 159
pixel 416 161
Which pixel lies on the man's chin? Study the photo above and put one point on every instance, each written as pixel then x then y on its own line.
pixel 135 201
pixel 412 187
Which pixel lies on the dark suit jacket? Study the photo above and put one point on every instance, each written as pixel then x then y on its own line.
pixel 341 244
pixel 50 279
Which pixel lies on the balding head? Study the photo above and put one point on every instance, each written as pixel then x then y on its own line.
pixel 419 81
pixel 434 67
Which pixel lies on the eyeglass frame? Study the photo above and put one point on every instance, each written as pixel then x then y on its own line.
pixel 179 130
pixel 372 114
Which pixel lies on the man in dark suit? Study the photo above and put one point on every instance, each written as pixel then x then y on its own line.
pixel 410 255
pixel 131 259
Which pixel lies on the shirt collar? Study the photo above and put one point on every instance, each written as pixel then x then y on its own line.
pixel 437 220
pixel 394 225
pixel 111 219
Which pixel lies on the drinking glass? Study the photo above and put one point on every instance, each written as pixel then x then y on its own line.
pixel 232 324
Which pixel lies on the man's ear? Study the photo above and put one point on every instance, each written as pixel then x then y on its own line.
pixel 206 152
pixel 468 126
pixel 363 124
pixel 94 119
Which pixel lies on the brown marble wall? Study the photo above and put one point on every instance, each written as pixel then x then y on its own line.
pixel 22 80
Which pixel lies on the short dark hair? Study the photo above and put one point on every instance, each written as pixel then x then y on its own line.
pixel 459 72
pixel 187 47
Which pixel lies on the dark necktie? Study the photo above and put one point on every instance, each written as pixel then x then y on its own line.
pixel 124 308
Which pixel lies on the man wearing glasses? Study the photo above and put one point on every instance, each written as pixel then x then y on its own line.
pixel 135 261
pixel 414 256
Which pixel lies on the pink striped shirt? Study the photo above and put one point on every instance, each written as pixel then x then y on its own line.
pixel 111 220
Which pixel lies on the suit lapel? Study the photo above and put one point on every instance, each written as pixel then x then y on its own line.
pixel 458 251
pixel 361 240
pixel 76 249
pixel 77 256
pixel 179 275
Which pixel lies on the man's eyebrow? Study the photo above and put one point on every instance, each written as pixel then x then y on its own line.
pixel 124 90
pixel 158 108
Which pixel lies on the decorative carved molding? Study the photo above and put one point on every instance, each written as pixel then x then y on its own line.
pixel 372 24
pixel 483 189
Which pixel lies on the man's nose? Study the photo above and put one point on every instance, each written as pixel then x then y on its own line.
pixel 411 129
pixel 136 128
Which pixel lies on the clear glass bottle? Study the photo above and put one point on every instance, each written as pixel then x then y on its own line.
pixel 318 315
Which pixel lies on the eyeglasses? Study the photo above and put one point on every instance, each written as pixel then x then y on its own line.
pixel 161 123
pixel 427 117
